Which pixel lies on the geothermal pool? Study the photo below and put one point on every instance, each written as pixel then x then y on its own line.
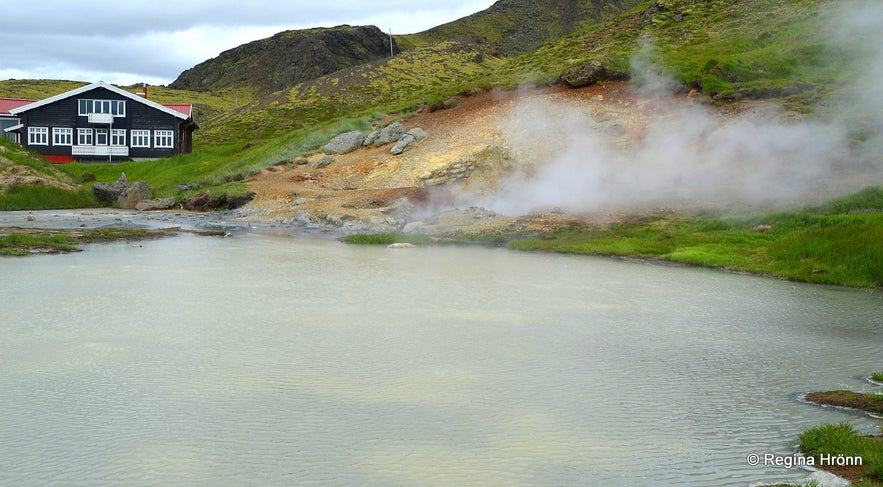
pixel 271 360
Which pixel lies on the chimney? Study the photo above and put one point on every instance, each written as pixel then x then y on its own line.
pixel 145 91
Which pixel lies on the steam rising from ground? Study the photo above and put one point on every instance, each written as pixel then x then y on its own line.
pixel 687 155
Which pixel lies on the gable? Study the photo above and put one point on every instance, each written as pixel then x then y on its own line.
pixel 84 90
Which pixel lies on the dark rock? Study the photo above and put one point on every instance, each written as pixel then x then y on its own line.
pixel 344 143
pixel 137 191
pixel 198 203
pixel 584 75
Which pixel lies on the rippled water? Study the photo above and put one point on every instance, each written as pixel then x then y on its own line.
pixel 290 361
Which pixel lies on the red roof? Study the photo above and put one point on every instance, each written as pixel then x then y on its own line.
pixel 185 109
pixel 7 104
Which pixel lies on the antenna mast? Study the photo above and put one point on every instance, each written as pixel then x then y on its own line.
pixel 391 54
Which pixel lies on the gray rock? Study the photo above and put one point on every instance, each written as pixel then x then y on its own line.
pixel 418 133
pixel 184 187
pixel 137 191
pixel 584 75
pixel 344 143
pixel 403 144
pixel 110 192
pixel 371 138
pixel 391 133
pixel 323 162
pixel 158 204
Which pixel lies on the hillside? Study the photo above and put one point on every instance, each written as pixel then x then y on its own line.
pixel 517 27
pixel 286 59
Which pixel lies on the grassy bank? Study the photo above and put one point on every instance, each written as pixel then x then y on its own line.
pixel 842 439
pixel 19 242
pixel 837 243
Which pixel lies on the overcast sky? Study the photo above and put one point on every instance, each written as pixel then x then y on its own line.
pixel 153 41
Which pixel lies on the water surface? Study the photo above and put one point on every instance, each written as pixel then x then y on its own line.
pixel 259 360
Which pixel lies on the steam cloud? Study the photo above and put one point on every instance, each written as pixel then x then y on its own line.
pixel 689 155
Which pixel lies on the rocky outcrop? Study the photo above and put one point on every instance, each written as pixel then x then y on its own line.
pixel 134 194
pixel 584 75
pixel 344 143
pixel 110 192
pixel 288 58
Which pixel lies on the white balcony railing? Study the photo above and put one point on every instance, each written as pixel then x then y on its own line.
pixel 100 150
pixel 101 118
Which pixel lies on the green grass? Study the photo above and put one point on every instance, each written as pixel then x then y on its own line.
pixel 388 238
pixel 23 244
pixel 877 376
pixel 809 245
pixel 40 197
pixel 843 439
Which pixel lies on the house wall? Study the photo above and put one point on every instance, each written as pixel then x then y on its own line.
pixel 64 113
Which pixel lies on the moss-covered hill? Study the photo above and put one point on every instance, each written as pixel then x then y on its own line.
pixel 519 26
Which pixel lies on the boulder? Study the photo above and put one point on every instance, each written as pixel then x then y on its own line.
pixel 324 161
pixel 110 192
pixel 391 133
pixel 418 133
pixel 371 138
pixel 137 191
pixel 584 75
pixel 158 204
pixel 403 144
pixel 344 143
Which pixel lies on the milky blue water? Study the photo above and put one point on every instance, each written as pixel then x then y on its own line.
pixel 266 360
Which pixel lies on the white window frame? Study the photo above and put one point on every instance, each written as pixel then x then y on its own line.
pixel 38 135
pixel 62 136
pixel 140 138
pixel 85 137
pixel 102 137
pixel 118 137
pixel 116 107
pixel 164 139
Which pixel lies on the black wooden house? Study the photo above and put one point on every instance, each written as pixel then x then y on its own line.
pixel 101 122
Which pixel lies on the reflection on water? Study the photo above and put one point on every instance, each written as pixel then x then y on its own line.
pixel 278 361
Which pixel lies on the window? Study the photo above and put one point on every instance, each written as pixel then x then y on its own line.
pixel 85 137
pixel 62 136
pixel 116 107
pixel 118 137
pixel 140 138
pixel 101 136
pixel 38 135
pixel 163 138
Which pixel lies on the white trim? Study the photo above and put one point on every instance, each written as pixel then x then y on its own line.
pixel 136 134
pixel 100 84
pixel 163 139
pixel 100 150
pixel 14 127
pixel 36 134
pixel 65 133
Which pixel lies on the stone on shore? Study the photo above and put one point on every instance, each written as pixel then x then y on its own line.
pixel 157 204
pixel 137 191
